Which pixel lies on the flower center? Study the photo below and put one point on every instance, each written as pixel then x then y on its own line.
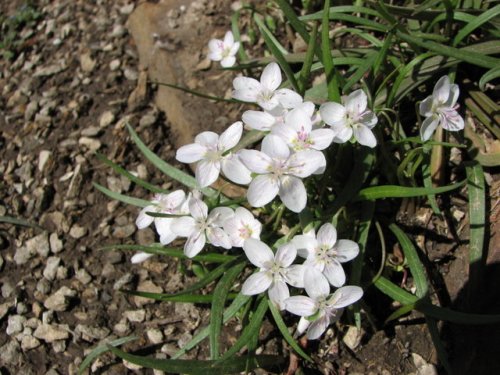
pixel 245 231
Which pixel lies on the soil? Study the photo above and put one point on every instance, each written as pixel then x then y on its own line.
pixel 83 71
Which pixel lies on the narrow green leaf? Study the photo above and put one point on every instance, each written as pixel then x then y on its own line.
pixel 159 249
pixel 193 366
pixel 196 93
pixel 427 178
pixel 477 22
pixel 438 344
pixel 277 50
pixel 382 54
pixel 332 82
pixel 182 298
pixel 235 18
pixel 403 310
pixel 217 311
pixel 230 312
pixel 394 191
pixel 305 72
pixel 122 197
pixel 416 267
pixel 477 219
pixel 130 176
pixel 296 23
pixel 490 75
pixel 360 71
pixel 168 169
pixel 101 349
pixel 249 331
pixel 284 332
pixel 17 221
pixel 395 292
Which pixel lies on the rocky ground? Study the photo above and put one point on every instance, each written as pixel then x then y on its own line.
pixel 80 72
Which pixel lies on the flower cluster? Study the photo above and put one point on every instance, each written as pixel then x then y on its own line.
pixel 295 136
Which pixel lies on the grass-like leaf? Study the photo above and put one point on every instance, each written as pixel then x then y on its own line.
pixel 182 298
pixel 249 331
pixel 332 81
pixel 217 311
pixel 130 176
pixel 305 72
pixel 159 249
pixel 284 331
pixel 101 349
pixel 477 219
pixel 490 75
pixel 394 191
pixel 416 267
pixel 277 50
pixel 169 170
pixel 122 197
pixel 17 221
pixel 477 22
pixel 192 366
pixel 197 93
pixel 230 312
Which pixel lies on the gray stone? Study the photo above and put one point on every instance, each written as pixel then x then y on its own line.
pixel 43 286
pixel 56 245
pixel 59 301
pixel 10 353
pixel 91 143
pixel 50 270
pixel 90 334
pixel 50 333
pixel 39 244
pixel 154 335
pixel 7 289
pixel 122 281
pixel 43 158
pixel 29 342
pixel 83 276
pixel 106 119
pixel 124 231
pixel 77 231
pixel 15 324
pixel 114 64
pixel 135 316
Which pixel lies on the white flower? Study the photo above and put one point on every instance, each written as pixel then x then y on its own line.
pixel 352 118
pixel 321 307
pixel 242 226
pixel 174 203
pixel 275 271
pixel 441 109
pixel 280 173
pixel 224 50
pixel 298 133
pixel 325 253
pixel 201 226
pixel 140 257
pixel 210 151
pixel 265 93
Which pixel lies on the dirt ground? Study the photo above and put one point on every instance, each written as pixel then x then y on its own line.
pixel 82 71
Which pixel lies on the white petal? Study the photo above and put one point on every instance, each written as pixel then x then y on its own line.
pixel 452 121
pixel 308 108
pixel 246 89
pixel 234 48
pixel 228 61
pixel 262 190
pixel 286 133
pixel 190 153
pixel 198 209
pixel 228 39
pixel 299 120
pixel 315 284
pixel 258 120
pixel 305 244
pixel 144 220
pixel 219 215
pixel 207 172
pixel 256 161
pixel 334 273
pixel 194 244
pixel 304 163
pixel 140 257
pixel 365 136
pixel 275 147
pixel 267 103
pixel 356 102
pixel 318 327
pixel 288 98
pixel 345 296
pixel 207 139
pixel 215 46
pixel 293 193
pixel 231 136
pixel 332 113
pixel 428 126
pixel 278 293
pixel 342 134
pixel 321 138
pixel 215 55
pixel 368 119
pixel 346 250
pixel 243 214
pixel 425 107
pixel 295 275
pixel 235 170
pixel 327 235
pixel 285 255
pixel 164 228
pixel 258 253
pixel 257 283
pixel 301 305
pixel 452 99
pixel 218 238
pixel 183 226
pixel 271 77
pixel 176 198
pixel 302 325
pixel 441 90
